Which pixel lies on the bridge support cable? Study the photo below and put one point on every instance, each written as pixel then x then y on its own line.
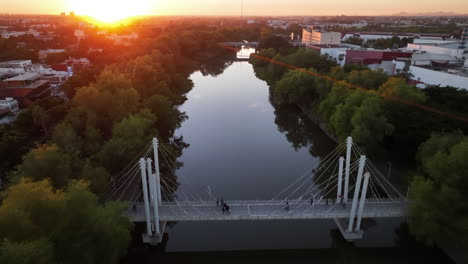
pixel 353 168
pixel 169 194
pixel 311 190
pixel 167 156
pixel 122 186
pixel 145 196
pixel 379 174
pixel 125 178
pixel 349 145
pixel 134 162
pixel 384 179
pixel 362 162
pixel 325 160
pixel 322 172
pixel 374 171
pixel 175 199
pixel 361 203
pixel 156 168
pixel 379 183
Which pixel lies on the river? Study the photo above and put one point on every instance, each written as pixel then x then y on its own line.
pixel 241 147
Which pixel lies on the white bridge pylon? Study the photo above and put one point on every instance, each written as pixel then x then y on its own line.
pixel 152 200
pixel 322 192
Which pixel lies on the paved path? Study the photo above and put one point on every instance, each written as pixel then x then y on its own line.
pixel 267 210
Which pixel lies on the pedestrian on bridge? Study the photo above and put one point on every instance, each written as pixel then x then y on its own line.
pixel 134 208
pixel 312 201
pixel 228 209
pixel 217 202
pixel 287 206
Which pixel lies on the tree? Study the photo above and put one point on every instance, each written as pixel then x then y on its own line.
pixel 129 137
pixel 296 87
pixel 48 162
pixel 411 124
pixel 361 115
pixel 60 226
pixel 28 252
pixel 41 118
pixel 278 43
pixel 438 191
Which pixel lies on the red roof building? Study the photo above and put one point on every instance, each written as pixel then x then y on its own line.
pixel 367 57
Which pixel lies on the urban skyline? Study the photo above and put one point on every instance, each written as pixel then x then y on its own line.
pixel 233 7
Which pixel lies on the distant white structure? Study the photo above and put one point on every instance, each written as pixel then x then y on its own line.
pixel 79 34
pixel 338 54
pixel 9 103
pixel 436 76
pixel 450 49
pixel 315 36
pixel 42 54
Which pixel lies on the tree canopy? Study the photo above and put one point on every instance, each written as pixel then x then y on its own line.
pixel 52 226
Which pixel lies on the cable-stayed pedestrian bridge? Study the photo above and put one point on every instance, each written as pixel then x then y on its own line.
pixel 345 187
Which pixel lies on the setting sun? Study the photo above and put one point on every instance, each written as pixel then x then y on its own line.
pixel 110 11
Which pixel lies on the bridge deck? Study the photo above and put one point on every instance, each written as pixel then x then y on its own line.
pixel 267 210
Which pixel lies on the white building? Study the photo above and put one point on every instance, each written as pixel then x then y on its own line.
pixel 450 49
pixel 42 54
pixel 431 76
pixel 314 36
pixel 338 54
pixel 386 35
pixel 9 103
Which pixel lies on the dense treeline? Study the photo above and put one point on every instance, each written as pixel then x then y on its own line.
pixel 61 156
pixel 384 115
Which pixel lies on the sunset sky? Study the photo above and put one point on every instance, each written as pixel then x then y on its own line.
pixel 232 7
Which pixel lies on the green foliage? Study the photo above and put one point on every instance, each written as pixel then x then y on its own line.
pixel 296 87
pixel 337 96
pixel 82 78
pixel 129 137
pixel 27 252
pixel 48 161
pixel 262 58
pixel 390 43
pixel 68 226
pixel 438 192
pixel 278 43
pixel 367 78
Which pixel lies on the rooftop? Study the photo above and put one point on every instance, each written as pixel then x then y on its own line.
pixel 15 62
pixel 30 76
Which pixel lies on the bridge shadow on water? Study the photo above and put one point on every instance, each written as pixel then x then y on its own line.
pixel 340 251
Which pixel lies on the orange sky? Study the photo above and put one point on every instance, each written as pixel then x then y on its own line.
pixel 251 7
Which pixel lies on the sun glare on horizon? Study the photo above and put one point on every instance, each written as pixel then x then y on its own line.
pixel 111 11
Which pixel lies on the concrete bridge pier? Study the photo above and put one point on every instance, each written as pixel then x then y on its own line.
pixel 155 238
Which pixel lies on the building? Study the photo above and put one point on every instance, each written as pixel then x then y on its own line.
pixel 8 105
pixel 386 35
pixel 25 88
pixel 79 34
pixel 444 76
pixel 315 36
pixel 376 59
pixel 42 54
pixel 71 65
pixel 451 49
pixel 16 66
